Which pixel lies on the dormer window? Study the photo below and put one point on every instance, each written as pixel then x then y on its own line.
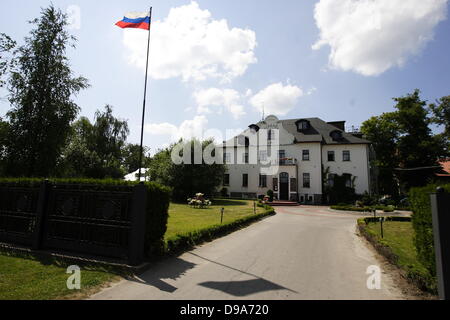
pixel 336 135
pixel 302 125
pixel 254 128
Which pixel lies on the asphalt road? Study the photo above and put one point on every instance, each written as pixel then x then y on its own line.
pixel 300 254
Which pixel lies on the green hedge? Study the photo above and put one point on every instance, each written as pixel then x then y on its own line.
pixel 158 201
pixel 419 199
pixel 363 209
pixel 185 241
pixel 373 220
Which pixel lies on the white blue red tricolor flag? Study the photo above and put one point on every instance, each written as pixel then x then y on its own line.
pixel 137 20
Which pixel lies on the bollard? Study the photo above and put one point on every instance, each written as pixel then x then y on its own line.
pixel 381 226
pixel 440 208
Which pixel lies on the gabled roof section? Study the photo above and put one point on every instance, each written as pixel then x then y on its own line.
pixel 320 131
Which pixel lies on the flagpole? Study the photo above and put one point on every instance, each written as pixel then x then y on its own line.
pixel 145 95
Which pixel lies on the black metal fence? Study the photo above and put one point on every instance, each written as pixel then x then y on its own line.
pixel 106 221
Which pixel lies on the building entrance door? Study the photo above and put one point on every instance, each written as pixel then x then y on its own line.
pixel 284 186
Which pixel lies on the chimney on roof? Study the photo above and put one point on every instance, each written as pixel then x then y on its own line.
pixel 338 124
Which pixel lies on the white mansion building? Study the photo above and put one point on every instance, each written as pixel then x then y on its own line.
pixel 291 158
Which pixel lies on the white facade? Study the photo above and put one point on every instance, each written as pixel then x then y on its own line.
pixel 299 155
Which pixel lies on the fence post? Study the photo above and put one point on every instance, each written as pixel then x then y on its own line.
pixel 40 215
pixel 138 224
pixel 440 206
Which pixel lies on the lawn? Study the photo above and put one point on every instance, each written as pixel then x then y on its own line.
pixel 29 279
pixel 398 236
pixel 184 219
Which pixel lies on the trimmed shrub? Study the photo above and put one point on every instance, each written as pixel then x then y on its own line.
pixel 270 194
pixel 345 207
pixel 224 192
pixel 158 202
pixel 374 220
pixel 419 199
pixel 351 208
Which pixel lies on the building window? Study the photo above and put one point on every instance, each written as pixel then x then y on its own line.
pixel 245 158
pixel 346 155
pixel 245 180
pixel 271 135
pixel 226 158
pixel 331 156
pixel 282 156
pixel 336 135
pixel 263 156
pixel 302 125
pixel 306 180
pixel 226 180
pixel 331 180
pixel 293 185
pixel 262 181
pixel 275 184
pixel 305 155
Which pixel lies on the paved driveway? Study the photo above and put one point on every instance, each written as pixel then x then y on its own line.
pixel 301 253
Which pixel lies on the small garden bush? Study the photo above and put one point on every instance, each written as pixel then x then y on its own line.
pixel 346 207
pixel 351 208
pixel 199 202
pixel 270 194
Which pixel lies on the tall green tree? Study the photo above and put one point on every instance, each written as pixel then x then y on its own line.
pixel 383 132
pixel 186 179
pixel 404 144
pixel 95 150
pixel 42 86
pixel 6 46
pixel 417 147
pixel 4 132
pixel 441 116
pixel 130 157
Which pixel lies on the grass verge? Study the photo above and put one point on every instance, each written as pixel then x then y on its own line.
pixel 26 277
pixel 189 227
pixel 398 247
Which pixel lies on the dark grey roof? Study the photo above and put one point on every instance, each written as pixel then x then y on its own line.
pixel 319 131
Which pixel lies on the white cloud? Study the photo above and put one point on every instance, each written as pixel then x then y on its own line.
pixel 217 99
pixel 277 99
pixel 189 44
pixel 369 37
pixel 194 128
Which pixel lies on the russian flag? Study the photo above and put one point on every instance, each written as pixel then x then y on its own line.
pixel 138 20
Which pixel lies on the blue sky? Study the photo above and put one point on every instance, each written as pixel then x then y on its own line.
pixel 214 64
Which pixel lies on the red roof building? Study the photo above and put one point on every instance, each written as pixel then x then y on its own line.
pixel 445 172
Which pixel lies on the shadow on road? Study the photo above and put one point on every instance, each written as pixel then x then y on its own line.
pixel 243 288
pixel 173 270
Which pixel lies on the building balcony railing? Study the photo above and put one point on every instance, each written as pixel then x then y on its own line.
pixel 287 162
